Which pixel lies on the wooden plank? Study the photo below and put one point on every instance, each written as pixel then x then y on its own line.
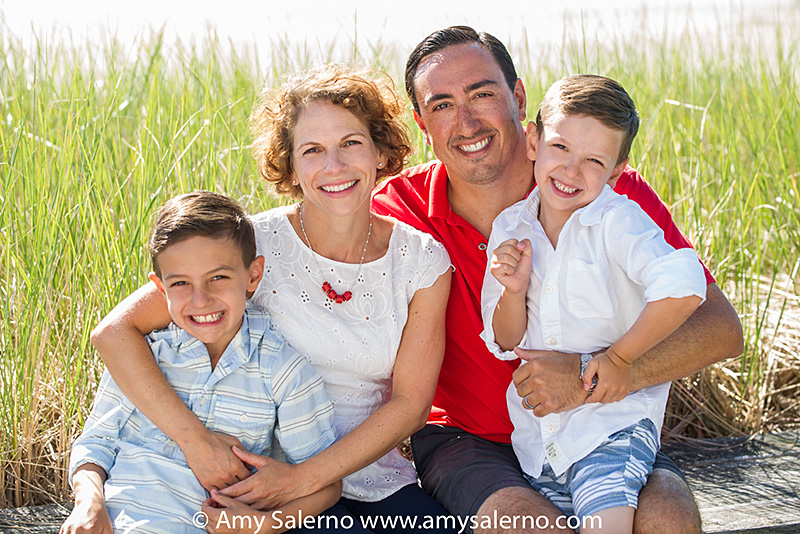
pixel 745 484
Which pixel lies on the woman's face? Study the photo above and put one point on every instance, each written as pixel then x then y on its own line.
pixel 334 159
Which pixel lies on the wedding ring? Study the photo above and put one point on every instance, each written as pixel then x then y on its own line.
pixel 525 402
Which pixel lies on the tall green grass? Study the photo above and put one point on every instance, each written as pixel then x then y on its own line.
pixel 94 138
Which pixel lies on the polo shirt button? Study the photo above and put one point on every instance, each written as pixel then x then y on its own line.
pixel 553 341
pixel 243 418
pixel 548 289
pixel 482 246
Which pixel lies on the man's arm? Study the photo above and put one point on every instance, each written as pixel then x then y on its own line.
pixel 713 333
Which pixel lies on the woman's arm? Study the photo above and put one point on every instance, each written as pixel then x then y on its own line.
pixel 416 372
pixel 119 339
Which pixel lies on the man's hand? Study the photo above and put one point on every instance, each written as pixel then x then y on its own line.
pixel 212 461
pixel 511 264
pixel 550 380
pixel 272 486
pixel 614 377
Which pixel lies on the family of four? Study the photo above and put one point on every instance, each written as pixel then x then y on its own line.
pixel 520 321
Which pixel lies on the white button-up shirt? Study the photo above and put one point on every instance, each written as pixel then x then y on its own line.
pixel 610 260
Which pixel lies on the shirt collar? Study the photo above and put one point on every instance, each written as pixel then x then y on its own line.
pixel 438 201
pixel 588 215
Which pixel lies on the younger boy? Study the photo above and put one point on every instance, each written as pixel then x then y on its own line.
pixel 224 361
pixel 578 268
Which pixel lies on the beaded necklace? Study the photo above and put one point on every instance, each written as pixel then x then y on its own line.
pixel 326 286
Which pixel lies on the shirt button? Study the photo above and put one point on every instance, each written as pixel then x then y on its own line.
pixel 551 429
pixel 548 289
pixel 553 341
pixel 202 401
pixel 243 418
pixel 482 246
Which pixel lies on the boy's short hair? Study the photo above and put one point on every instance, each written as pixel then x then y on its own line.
pixel 204 214
pixel 592 96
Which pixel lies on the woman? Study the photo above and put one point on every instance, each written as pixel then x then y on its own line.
pixel 361 296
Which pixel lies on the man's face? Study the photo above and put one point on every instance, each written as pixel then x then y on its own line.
pixel 470 117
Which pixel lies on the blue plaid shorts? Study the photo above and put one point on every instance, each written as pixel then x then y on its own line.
pixel 610 476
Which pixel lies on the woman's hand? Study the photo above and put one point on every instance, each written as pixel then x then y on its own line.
pixel 211 459
pixel 273 485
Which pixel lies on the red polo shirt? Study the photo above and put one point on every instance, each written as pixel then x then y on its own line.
pixel 472 384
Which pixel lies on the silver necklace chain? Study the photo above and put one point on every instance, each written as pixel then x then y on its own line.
pixel 314 254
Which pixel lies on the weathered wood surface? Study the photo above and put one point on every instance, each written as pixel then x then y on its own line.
pixel 44 519
pixel 745 484
pixel 740 484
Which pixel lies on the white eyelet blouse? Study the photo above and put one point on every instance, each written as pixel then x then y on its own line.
pixel 352 345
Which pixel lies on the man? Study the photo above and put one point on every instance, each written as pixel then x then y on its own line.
pixel 470 106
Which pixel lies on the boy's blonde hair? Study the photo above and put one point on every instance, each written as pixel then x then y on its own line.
pixel 598 97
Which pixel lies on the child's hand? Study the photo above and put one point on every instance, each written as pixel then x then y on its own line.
pixel 511 264
pixel 88 517
pixel 614 378
pixel 235 513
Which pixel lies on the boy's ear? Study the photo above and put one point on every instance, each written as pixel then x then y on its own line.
pixel 532 139
pixel 157 281
pixel 421 124
pixel 617 172
pixel 256 271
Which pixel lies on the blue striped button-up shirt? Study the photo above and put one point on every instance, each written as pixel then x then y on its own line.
pixel 260 389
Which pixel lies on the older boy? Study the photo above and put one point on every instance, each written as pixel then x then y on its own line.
pixel 226 363
pixel 577 267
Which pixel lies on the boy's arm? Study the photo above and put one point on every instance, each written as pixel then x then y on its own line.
pixel 614 367
pixel 510 267
pixel 290 516
pixel 119 339
pixel 89 515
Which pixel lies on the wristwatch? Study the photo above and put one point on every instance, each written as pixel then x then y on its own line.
pixel 585 359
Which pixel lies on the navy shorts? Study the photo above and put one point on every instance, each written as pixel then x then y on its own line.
pixel 462 470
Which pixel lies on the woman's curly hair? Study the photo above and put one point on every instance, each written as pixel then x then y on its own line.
pixel 358 90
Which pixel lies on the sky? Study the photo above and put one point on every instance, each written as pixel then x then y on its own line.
pixel 262 22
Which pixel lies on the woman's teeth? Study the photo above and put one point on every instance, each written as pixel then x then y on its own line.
pixel 337 188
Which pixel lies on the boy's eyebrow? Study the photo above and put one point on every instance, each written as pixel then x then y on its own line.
pixel 212 271
pixel 469 88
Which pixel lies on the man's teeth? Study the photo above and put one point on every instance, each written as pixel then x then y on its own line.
pixel 337 188
pixel 207 318
pixel 563 188
pixel 474 147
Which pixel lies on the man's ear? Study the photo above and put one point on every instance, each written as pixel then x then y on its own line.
pixel 531 140
pixel 157 281
pixel 421 124
pixel 522 100
pixel 617 172
pixel 256 271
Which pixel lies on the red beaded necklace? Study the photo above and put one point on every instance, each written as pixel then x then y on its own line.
pixel 326 286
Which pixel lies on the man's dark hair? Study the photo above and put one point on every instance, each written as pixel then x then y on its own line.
pixel 455 35
pixel 203 214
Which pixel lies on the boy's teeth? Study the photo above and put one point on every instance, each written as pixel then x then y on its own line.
pixel 207 318
pixel 564 188
pixel 474 147
pixel 337 188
